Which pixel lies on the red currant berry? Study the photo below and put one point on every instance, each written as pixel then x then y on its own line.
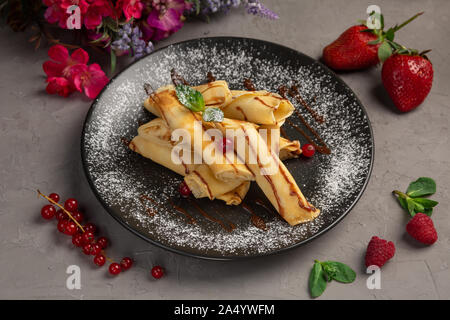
pixel 184 190
pixel 308 150
pixel 87 249
pixel 88 237
pixel 77 215
pixel 60 215
pixel 103 242
pixel 48 212
pixel 90 227
pixel 62 225
pixel 77 240
pixel 227 145
pixel 95 249
pixel 157 272
pixel 54 197
pixel 70 228
pixel 114 268
pixel 126 263
pixel 99 260
pixel 71 205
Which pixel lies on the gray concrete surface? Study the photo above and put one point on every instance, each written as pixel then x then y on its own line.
pixel 40 149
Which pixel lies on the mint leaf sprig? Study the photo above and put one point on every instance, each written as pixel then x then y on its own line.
pixel 193 100
pixel 412 200
pixel 324 272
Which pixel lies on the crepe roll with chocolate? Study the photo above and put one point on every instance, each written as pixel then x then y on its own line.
pixel 271 175
pixel 286 149
pixel 259 107
pixel 164 102
pixel 215 94
pixel 153 142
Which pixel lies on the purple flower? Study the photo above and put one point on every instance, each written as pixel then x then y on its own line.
pixel 257 8
pixel 131 39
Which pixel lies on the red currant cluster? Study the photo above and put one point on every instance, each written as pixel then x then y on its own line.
pixel 69 222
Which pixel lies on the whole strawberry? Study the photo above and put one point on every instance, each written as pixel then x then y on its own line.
pixel 421 228
pixel 408 79
pixel 351 50
pixel 359 47
pixel 379 251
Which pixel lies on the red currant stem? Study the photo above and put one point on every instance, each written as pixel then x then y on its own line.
pixel 62 208
pixel 106 257
pixel 73 219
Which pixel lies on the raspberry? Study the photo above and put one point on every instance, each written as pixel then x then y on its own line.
pixel 421 228
pixel 379 251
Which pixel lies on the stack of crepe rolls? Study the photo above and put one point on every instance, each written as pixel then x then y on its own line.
pixel 247 113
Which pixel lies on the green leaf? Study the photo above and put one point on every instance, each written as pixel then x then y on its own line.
pixel 421 187
pixel 384 51
pixel 317 282
pixel 377 41
pixel 426 203
pixel 213 114
pixel 390 34
pixel 190 98
pixel 428 211
pixel 418 207
pixel 342 272
pixel 403 203
pixel 411 206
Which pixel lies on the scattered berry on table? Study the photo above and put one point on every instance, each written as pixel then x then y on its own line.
pixel 157 272
pixel 126 263
pixel 379 251
pixel 421 228
pixel 54 197
pixel 71 205
pixel 48 212
pixel 99 260
pixel 114 268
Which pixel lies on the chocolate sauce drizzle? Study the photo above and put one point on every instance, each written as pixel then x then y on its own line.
pixel 293 92
pixel 248 84
pixel 143 198
pixel 210 77
pixel 256 220
pixel 177 79
pixel 227 227
pixel 190 219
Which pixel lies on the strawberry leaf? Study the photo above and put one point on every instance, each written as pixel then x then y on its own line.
pixel 384 51
pixel 390 34
pixel 317 281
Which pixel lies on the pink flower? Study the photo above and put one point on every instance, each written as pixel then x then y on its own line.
pixel 62 63
pixel 65 73
pixel 57 10
pixel 97 10
pixel 130 8
pixel 60 86
pixel 90 79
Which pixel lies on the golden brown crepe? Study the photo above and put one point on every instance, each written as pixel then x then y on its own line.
pixel 271 175
pixel 164 103
pixel 286 148
pixel 259 107
pixel 215 94
pixel 153 142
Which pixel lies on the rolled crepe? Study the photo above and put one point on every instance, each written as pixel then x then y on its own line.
pixel 271 175
pixel 259 107
pixel 215 94
pixel 153 142
pixel 286 148
pixel 164 103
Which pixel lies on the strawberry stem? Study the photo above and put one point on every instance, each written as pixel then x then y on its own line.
pixel 400 194
pixel 396 28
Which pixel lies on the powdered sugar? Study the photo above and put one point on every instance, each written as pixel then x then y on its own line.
pixel 330 182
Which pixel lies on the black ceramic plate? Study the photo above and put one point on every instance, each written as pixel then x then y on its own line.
pixel 118 177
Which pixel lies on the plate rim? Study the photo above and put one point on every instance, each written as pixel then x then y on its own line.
pixel 215 257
